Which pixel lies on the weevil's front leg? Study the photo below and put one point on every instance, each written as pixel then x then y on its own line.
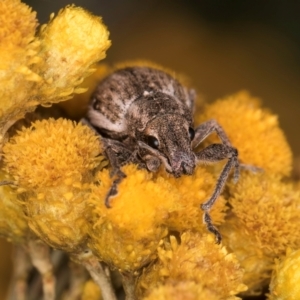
pixel 115 172
pixel 205 129
pixel 214 153
pixel 118 155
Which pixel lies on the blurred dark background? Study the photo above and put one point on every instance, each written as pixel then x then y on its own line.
pixel 222 46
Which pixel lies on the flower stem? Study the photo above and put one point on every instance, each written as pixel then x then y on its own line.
pixel 129 282
pixel 97 272
pixel 40 257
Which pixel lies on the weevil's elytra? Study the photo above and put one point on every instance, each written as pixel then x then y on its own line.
pixel 145 116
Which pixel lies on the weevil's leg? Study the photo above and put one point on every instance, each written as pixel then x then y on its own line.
pixel 118 155
pixel 208 127
pixel 214 153
pixel 116 172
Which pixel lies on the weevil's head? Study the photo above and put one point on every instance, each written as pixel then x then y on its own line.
pixel 163 125
pixel 169 137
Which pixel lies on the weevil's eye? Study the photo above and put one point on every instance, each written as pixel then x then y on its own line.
pixel 152 141
pixel 191 133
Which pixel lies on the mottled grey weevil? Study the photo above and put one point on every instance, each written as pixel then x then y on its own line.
pixel 145 116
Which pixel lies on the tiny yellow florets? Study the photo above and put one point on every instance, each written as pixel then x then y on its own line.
pixel 71 43
pixel 252 130
pixel 147 206
pixel 268 210
pixel 18 53
pixel 50 152
pixel 193 191
pixel 48 68
pixel 13 223
pixel 53 162
pixel 196 258
pixel 264 221
pixel 18 23
pixel 127 234
pixel 286 277
pixel 182 290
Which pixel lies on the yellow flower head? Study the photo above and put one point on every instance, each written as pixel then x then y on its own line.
pixel 196 258
pixel 268 211
pixel 182 290
pixel 252 130
pixel 91 291
pixel 48 68
pixel 264 221
pixel 71 43
pixel 193 191
pixel 53 162
pixel 18 23
pixel 286 277
pixel 17 55
pixel 51 152
pixel 257 266
pixel 127 234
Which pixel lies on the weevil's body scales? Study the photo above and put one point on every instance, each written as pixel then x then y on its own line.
pixel 113 104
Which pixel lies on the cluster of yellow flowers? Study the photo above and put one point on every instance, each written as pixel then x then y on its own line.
pixel 153 235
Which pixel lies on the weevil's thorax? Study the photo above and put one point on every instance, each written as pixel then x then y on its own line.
pixel 153 105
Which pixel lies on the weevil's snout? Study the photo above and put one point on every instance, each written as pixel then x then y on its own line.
pixel 182 163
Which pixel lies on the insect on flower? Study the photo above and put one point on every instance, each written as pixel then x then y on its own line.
pixel 145 116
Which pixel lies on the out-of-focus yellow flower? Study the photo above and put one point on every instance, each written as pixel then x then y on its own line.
pixel 91 291
pixel 18 53
pixel 182 290
pixel 127 235
pixel 196 258
pixel 13 223
pixel 76 107
pixel 50 67
pixel 53 162
pixel 252 130
pixel 264 221
pixel 18 24
pixel 70 44
pixel 286 277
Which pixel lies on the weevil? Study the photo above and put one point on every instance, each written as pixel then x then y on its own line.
pixel 145 116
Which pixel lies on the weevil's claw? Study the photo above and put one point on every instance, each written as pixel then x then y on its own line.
pixel 113 191
pixel 210 227
pixel 108 196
